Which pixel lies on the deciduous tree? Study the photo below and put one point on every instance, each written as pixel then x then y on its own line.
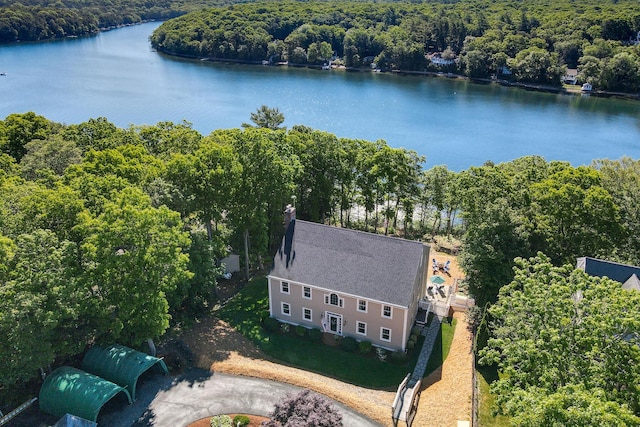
pixel 558 330
pixel 131 256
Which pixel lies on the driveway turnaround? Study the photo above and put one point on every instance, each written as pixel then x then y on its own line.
pixel 165 401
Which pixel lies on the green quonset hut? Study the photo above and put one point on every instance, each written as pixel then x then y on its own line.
pixel 121 365
pixel 69 390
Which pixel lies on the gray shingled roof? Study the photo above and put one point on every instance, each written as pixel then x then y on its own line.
pixel 602 268
pixel 353 262
pixel 632 283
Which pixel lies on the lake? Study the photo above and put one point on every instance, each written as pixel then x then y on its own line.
pixel 117 75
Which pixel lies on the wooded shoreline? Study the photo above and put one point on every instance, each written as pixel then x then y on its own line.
pixel 501 82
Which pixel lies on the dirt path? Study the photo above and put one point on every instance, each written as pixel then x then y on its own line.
pixel 446 393
pixel 445 397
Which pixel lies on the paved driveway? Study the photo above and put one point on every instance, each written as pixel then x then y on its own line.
pixel 165 401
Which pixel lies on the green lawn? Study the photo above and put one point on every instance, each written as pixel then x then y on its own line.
pixel 442 346
pixel 245 310
pixel 486 375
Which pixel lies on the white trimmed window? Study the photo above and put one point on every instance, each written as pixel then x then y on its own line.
pixel 307 314
pixel 284 287
pixel 385 334
pixel 361 328
pixel 306 292
pixel 286 308
pixel 387 312
pixel 334 299
pixel 362 305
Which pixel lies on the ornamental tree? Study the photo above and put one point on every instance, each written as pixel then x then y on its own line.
pixel 305 409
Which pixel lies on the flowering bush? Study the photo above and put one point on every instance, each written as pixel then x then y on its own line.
pixel 221 421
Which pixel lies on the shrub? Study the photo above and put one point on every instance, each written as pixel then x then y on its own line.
pixel 304 409
pixel 300 330
pixel 241 420
pixel 410 344
pixel 221 421
pixel 271 324
pixel 349 344
pixel 315 335
pixel 364 346
pixel 381 353
pixel 284 327
pixel 416 330
pixel 413 338
pixel 398 356
pixel 264 315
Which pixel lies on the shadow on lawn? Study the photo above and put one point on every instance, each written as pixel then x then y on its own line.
pixel 440 351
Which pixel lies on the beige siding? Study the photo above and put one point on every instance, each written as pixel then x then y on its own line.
pixel 399 324
pixel 419 290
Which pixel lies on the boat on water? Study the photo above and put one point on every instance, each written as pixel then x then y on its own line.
pixel 3 74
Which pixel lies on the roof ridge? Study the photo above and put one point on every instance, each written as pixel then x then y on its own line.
pixel 367 233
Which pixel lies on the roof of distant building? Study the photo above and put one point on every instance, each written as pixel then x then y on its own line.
pixel 632 283
pixel 613 270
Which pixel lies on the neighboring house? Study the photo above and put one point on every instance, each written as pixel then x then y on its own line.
pixel 623 273
pixel 586 87
pixel 505 71
pixel 437 59
pixel 571 76
pixel 348 283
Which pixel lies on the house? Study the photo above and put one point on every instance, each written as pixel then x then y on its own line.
pixel 571 76
pixel 348 283
pixel 504 70
pixel 623 273
pixel 437 59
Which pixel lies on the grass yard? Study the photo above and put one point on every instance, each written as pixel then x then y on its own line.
pixel 486 375
pixel 245 310
pixel 442 346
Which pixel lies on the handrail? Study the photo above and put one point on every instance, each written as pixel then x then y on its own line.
pixel 399 393
pixel 16 411
pixel 415 393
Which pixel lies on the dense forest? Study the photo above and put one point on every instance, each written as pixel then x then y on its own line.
pixel 110 235
pixel 531 42
pixel 34 20
pixel 528 42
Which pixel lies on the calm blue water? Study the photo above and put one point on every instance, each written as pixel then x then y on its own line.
pixel 116 75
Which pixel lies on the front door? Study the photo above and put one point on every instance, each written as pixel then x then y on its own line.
pixel 335 323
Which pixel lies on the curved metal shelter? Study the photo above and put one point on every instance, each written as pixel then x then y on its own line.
pixel 69 390
pixel 121 365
